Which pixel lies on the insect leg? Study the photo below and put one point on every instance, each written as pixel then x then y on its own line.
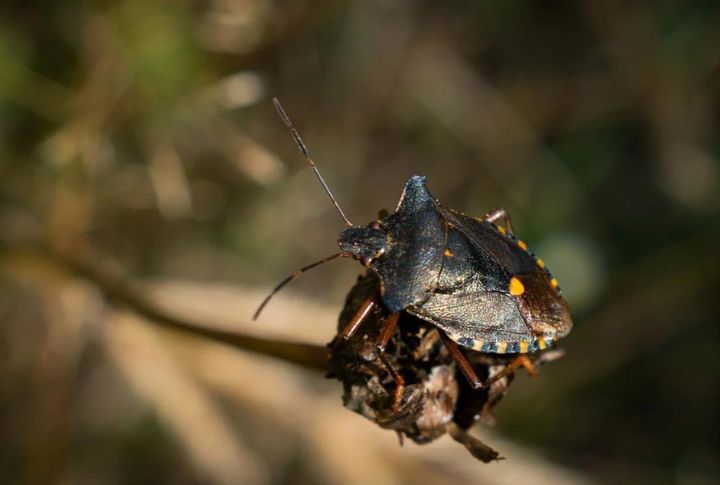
pixel 387 331
pixel 519 361
pixel 399 382
pixel 462 362
pixel 498 214
pixel 388 327
pixel 360 316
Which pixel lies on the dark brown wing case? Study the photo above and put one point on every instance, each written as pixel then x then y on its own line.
pixel 493 294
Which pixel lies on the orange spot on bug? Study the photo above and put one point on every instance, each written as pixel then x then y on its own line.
pixel 501 229
pixel 449 253
pixel 522 245
pixel 516 287
pixel 524 345
pixel 554 283
pixel 540 263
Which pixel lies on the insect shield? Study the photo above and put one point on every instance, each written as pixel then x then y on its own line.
pixel 435 398
pixel 462 282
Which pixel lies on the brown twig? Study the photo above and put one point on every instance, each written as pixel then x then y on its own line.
pixel 122 293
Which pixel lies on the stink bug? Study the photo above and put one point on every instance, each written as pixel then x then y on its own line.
pixel 480 286
pixel 436 398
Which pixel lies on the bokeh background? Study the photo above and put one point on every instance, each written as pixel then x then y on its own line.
pixel 137 139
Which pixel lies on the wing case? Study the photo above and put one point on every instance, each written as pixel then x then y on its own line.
pixel 476 301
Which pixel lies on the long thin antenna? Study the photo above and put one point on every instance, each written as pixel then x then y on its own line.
pixel 290 278
pixel 306 153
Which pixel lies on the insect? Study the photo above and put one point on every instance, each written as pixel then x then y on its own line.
pixel 472 278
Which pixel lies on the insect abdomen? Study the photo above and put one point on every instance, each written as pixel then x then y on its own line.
pixel 504 347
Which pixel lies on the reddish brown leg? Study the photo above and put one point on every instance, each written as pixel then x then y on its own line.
pixel 386 332
pixel 527 363
pixel 399 382
pixel 462 362
pixel 469 372
pixel 498 214
pixel 519 361
pixel 362 313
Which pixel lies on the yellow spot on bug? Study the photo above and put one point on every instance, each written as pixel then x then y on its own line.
pixel 501 229
pixel 501 347
pixel 516 287
pixel 449 253
pixel 554 283
pixel 524 347
pixel 522 245
pixel 540 263
pixel 541 343
pixel 478 345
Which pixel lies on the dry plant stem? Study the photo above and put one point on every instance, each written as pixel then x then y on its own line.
pixel 477 448
pixel 121 293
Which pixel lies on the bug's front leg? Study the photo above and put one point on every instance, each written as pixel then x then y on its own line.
pixel 365 308
pixel 500 214
pixel 386 332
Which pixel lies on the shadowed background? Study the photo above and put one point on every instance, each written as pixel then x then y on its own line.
pixel 139 137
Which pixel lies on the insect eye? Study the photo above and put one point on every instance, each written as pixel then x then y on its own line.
pixel 375 225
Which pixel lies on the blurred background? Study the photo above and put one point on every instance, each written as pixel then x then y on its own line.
pixel 138 138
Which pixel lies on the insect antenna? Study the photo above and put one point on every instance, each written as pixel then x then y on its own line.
pixel 295 275
pixel 306 153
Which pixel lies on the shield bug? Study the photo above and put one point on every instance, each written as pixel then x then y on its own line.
pixel 471 278
pixel 437 399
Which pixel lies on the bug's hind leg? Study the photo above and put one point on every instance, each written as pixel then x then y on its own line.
pixel 519 361
pixel 500 214
pixel 469 372
pixel 462 362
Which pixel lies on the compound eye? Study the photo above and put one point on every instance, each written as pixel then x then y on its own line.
pixel 375 225
pixel 365 261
